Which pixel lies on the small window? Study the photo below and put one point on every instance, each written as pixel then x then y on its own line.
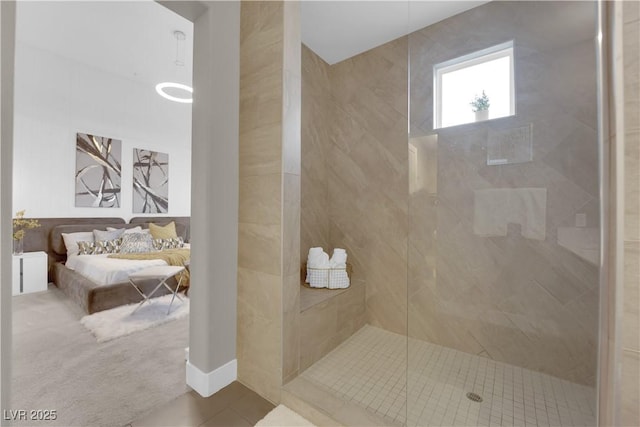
pixel 474 87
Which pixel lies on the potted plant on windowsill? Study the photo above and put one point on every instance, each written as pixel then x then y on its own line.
pixel 480 105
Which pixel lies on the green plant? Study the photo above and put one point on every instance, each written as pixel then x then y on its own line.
pixel 480 103
pixel 21 225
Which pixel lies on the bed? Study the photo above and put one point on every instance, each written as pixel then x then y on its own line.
pixel 98 282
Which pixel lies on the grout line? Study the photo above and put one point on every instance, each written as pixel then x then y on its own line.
pixel 370 369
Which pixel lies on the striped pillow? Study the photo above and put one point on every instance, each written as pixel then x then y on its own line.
pixel 171 243
pixel 99 247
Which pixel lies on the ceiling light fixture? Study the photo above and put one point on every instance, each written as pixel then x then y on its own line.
pixel 160 87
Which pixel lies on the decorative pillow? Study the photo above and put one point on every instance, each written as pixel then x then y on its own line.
pixel 108 246
pixel 137 229
pixel 71 241
pixel 86 248
pixel 166 232
pixel 136 243
pixel 99 235
pixel 172 243
pixel 99 247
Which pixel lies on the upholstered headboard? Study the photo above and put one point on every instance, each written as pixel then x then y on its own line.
pixel 38 239
pixel 48 237
pixel 56 242
pixel 183 228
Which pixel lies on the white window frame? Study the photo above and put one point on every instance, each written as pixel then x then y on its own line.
pixel 485 55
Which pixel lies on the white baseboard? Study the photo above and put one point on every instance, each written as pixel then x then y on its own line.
pixel 206 384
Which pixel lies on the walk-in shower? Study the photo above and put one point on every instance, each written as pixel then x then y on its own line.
pixel 475 235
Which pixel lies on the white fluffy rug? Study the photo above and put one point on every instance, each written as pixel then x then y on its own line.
pixel 117 322
pixel 281 416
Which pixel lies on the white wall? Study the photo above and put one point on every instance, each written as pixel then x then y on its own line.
pixel 56 97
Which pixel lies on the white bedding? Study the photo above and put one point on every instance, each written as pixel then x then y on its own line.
pixel 106 271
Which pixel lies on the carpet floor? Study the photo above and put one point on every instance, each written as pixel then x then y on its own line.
pixel 58 365
pixel 128 319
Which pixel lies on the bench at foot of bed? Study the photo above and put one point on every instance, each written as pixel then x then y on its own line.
pixel 93 297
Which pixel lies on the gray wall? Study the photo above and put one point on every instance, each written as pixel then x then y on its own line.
pixel 214 177
pixel 7 41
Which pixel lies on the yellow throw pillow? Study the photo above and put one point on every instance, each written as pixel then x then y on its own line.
pixel 166 232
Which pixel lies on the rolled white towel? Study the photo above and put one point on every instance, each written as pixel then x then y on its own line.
pixel 338 259
pixel 317 259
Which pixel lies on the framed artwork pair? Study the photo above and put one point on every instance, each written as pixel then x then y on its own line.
pixel 99 171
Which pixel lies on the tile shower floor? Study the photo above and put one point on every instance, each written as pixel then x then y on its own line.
pixel 369 370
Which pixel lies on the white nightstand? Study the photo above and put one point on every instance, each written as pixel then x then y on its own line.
pixel 29 272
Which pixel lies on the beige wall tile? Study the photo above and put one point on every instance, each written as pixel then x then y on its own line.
pixel 261 56
pixel 259 294
pixel 630 393
pixel 291 345
pixel 632 122
pixel 632 185
pixel 259 336
pixel 630 365
pixel 631 78
pixel 291 293
pixel 316 113
pixel 259 155
pixel 291 224
pixel 291 146
pixel 631 11
pixel 291 327
pixel 367 176
pixel 292 94
pixel 259 247
pixel 631 310
pixel 259 331
pixel 261 25
pixel 260 199
pixel 269 205
pixel 351 305
pixel 318 324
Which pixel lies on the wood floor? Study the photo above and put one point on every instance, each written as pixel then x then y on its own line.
pixel 233 406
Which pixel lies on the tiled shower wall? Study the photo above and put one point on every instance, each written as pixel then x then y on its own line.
pixel 531 303
pixel 352 142
pixel 269 196
pixel 521 297
pixel 630 396
pixel 315 137
pixel 354 163
pixel 367 175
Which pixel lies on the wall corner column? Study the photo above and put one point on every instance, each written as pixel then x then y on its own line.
pixel 214 204
pixel 269 213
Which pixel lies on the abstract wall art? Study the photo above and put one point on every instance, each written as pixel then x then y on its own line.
pixel 150 181
pixel 98 171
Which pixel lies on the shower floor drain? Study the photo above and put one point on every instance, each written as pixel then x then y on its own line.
pixel 474 396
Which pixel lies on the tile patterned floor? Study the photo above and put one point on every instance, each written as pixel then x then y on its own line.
pixel 233 406
pixel 369 369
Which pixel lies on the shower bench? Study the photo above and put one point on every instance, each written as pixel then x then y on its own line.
pixel 328 317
